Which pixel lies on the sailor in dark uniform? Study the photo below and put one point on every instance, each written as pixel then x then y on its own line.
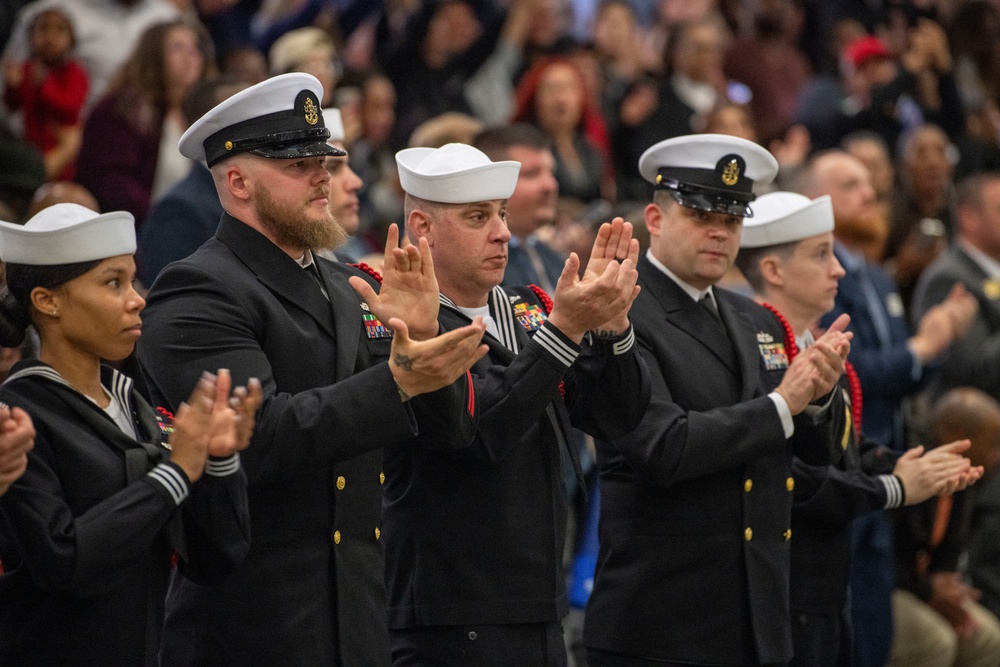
pixel 786 254
pixel 89 534
pixel 341 376
pixel 695 504
pixel 475 531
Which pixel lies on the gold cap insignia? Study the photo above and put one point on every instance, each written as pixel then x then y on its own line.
pixel 311 111
pixel 731 173
pixel 229 145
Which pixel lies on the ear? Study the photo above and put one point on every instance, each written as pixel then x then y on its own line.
pixel 654 219
pixel 420 225
pixel 236 180
pixel 772 270
pixel 46 301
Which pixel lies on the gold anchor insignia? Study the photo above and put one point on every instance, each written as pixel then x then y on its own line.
pixel 312 111
pixel 731 173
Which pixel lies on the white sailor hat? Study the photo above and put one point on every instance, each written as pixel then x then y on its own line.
pixel 786 217
pixel 277 118
pixel 455 174
pixel 67 234
pixel 709 172
pixel 334 123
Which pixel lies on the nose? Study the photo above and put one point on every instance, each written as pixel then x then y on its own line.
pixel 136 302
pixel 354 182
pixel 499 232
pixel 838 271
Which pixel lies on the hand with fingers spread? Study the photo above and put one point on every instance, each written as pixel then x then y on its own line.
pixel 17 437
pixel 245 401
pixel 420 367
pixel 409 289
pixel 613 245
pixel 938 472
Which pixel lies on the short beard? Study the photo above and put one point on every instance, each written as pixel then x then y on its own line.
pixel 290 232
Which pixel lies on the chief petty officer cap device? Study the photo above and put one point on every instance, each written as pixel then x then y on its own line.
pixel 277 118
pixel 709 172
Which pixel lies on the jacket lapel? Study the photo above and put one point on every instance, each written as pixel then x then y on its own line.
pixel 686 314
pixel 345 310
pixel 276 270
pixel 744 339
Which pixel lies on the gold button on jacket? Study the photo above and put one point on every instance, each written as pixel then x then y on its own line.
pixel 790 483
pixel 336 537
pixel 748 534
pixel 747 485
pixel 788 534
pixel 341 482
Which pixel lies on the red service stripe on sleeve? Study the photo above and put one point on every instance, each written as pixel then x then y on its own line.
pixel 472 394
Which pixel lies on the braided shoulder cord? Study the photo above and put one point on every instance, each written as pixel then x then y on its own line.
pixel 361 266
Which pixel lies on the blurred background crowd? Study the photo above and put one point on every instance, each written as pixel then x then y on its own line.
pixel 96 94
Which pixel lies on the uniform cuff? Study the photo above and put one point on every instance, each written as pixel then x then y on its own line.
pixel 784 412
pixel 895 495
pixel 223 467
pixel 557 344
pixel 173 479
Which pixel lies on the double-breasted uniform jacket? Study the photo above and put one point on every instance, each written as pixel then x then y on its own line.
pixel 973 360
pixel 695 504
pixel 311 590
pixel 88 532
pixel 476 531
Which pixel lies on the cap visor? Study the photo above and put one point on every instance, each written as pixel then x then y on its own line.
pixel 712 204
pixel 307 149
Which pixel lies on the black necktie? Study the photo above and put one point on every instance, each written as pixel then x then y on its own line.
pixel 709 304
pixel 313 272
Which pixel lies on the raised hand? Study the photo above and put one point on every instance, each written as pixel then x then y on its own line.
pixel 420 367
pixel 192 429
pixel 17 437
pixel 409 288
pixel 614 242
pixel 938 472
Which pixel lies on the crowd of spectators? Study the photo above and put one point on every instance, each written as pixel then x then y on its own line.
pixel 96 94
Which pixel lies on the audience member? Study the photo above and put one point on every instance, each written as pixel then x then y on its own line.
pixel 972 262
pixel 49 89
pixel 937 621
pixel 659 108
pixel 107 31
pixel 921 226
pixel 553 96
pixel 61 192
pixel 308 50
pixel 143 111
pixel 186 216
pixel 984 529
